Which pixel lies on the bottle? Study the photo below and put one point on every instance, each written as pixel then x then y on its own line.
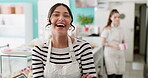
pixel 3 21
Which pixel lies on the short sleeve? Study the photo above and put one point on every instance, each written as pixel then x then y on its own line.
pixel 104 33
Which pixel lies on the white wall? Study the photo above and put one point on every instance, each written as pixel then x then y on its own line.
pixel 147 3
pixel 101 16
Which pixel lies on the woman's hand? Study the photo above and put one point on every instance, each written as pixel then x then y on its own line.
pixel 87 76
pixel 116 46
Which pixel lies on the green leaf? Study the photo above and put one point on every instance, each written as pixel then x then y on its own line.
pixel 84 20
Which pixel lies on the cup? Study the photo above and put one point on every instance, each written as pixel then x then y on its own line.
pixel 123 46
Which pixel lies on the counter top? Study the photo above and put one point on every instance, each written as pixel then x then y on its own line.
pixel 16 54
pixel 96 49
pixel 97 54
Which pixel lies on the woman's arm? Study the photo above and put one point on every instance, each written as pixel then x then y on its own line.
pixel 37 64
pixel 87 61
pixel 105 43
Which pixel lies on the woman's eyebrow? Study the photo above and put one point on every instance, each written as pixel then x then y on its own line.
pixel 66 12
pixel 56 12
pixel 59 12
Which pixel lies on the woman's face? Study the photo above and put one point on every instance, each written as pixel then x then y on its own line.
pixel 60 20
pixel 115 19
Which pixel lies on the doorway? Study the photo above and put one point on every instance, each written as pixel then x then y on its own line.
pixel 139 32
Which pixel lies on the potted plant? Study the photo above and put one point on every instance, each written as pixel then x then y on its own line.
pixel 84 20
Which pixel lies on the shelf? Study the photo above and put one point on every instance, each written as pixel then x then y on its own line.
pixel 12 38
pixel 16 21
pixel 12 20
pixel 11 14
pixel 10 26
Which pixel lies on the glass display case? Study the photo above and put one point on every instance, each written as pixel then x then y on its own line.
pixel 13 62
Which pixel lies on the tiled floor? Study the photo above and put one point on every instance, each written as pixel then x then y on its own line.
pixel 135 69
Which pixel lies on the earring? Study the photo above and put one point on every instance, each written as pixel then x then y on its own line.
pixel 47 25
pixel 70 27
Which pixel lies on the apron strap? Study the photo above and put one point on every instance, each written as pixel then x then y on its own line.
pixel 71 52
pixel 49 50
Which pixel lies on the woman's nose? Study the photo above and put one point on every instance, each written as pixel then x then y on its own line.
pixel 61 18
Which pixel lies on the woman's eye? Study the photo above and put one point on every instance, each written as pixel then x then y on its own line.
pixel 55 14
pixel 67 16
pixel 116 17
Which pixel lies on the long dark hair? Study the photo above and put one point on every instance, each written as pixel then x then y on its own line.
pixel 109 20
pixel 54 7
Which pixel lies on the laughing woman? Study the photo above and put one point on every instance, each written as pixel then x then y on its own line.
pixel 62 56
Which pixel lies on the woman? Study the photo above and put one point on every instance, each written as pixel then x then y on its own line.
pixel 62 56
pixel 112 37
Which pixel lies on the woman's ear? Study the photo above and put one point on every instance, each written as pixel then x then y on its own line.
pixel 47 25
pixel 49 22
pixel 111 18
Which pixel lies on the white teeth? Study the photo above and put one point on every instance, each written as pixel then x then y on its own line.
pixel 61 25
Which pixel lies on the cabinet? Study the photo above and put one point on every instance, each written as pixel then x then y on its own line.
pixel 15 23
pixel 11 62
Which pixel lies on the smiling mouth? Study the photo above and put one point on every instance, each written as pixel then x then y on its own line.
pixel 60 25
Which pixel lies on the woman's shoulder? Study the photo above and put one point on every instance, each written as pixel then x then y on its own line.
pixel 82 47
pixel 81 42
pixel 43 46
pixel 107 28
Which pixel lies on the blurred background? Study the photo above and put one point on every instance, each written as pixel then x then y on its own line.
pixel 23 25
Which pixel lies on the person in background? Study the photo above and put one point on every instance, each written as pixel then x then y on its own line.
pixel 112 37
pixel 62 56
